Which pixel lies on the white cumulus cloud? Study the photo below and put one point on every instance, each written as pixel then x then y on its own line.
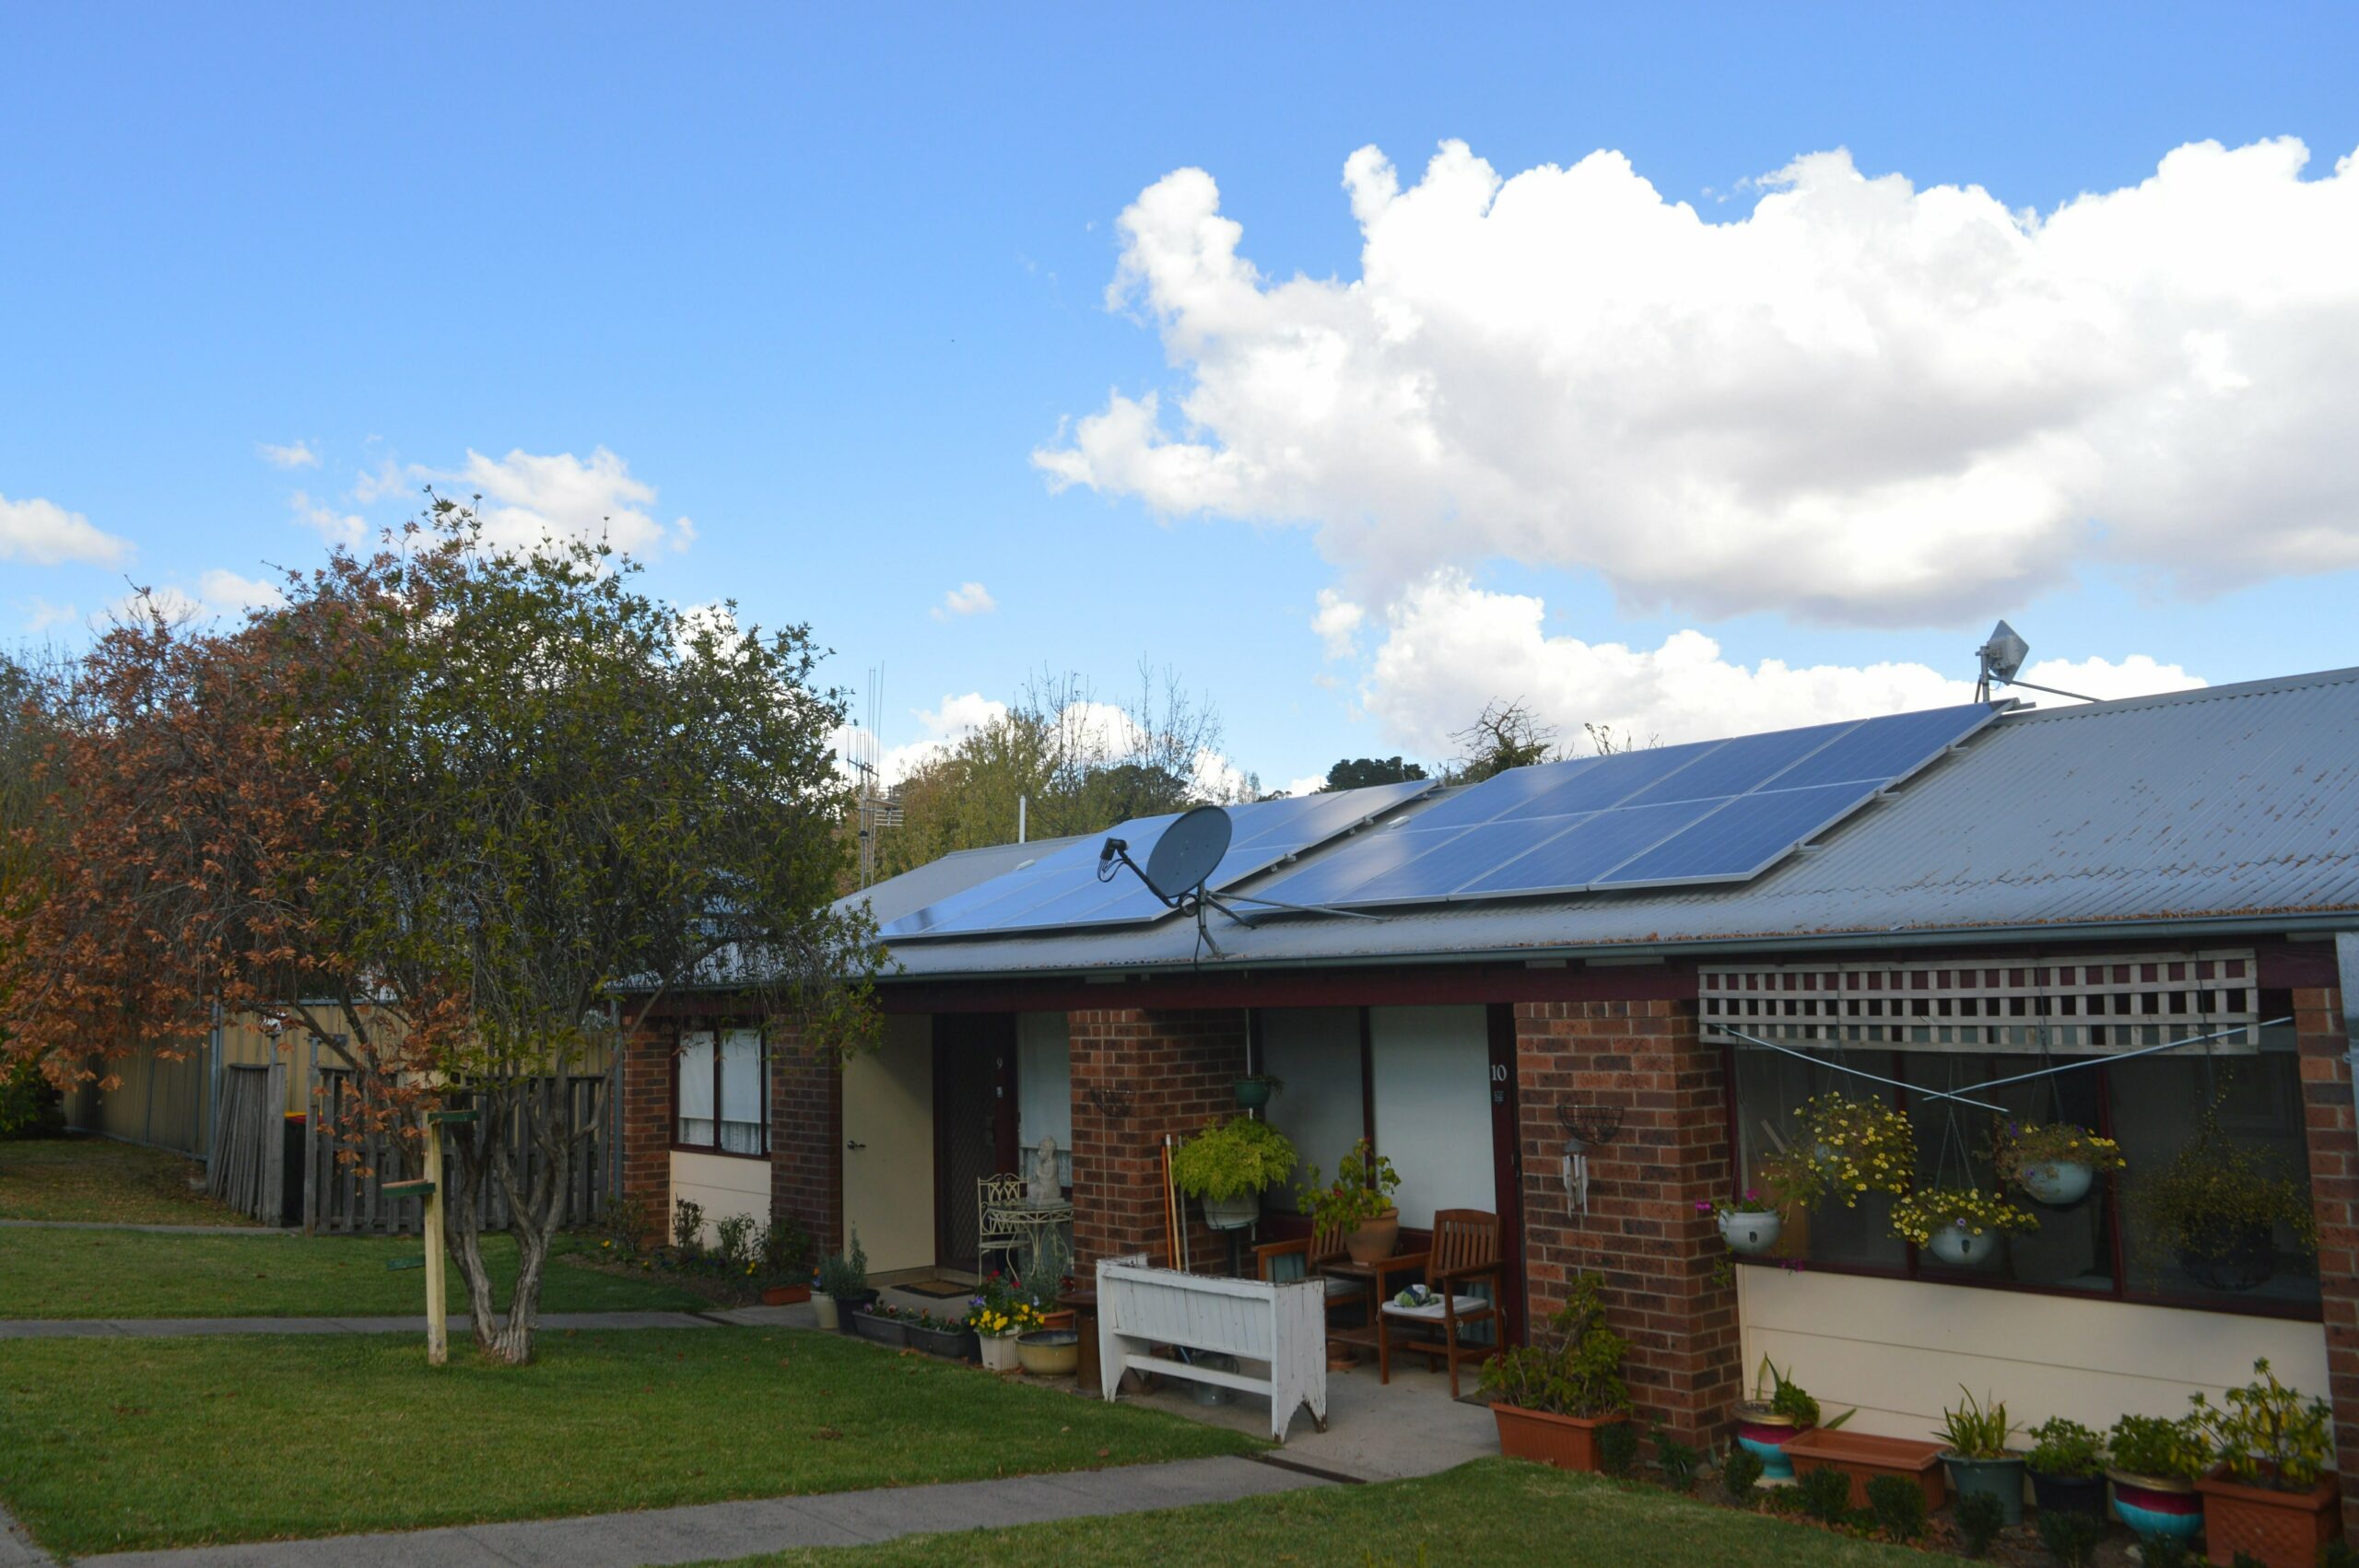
pixel 528 499
pixel 967 599
pixel 47 534
pixel 297 454
pixel 1859 401
pixel 1450 647
pixel 1337 621
pixel 330 523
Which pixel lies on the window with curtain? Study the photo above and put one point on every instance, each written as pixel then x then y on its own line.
pixel 720 1099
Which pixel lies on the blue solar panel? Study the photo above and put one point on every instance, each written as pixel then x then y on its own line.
pixel 1573 859
pixel 1064 888
pixel 1501 792
pixel 1885 749
pixel 1743 837
pixel 1712 811
pixel 1611 780
pixel 1749 762
pixel 1459 856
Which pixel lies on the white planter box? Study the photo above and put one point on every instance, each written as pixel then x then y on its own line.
pixel 1285 1325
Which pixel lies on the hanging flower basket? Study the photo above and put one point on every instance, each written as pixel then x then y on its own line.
pixel 2055 1162
pixel 1749 1225
pixel 1847 1148
pixel 1959 1225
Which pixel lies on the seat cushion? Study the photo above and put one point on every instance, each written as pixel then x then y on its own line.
pixel 1468 1307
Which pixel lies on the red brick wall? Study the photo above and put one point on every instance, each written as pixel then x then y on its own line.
pixel 1176 1070
pixel 647 1125
pixel 806 1135
pixel 2334 1198
pixel 1660 1257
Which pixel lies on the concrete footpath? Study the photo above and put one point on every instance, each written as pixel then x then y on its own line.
pixel 739 1529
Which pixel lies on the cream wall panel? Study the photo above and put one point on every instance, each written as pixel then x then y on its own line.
pixel 889 1183
pixel 1898 1349
pixel 1432 1067
pixel 722 1185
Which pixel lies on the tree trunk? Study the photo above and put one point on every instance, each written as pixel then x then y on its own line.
pixel 520 1112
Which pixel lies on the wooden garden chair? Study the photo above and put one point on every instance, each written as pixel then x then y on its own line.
pixel 1303 1259
pixel 1466 1250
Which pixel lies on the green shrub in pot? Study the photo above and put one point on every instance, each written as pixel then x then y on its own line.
pixel 2066 1465
pixel 1978 1460
pixel 1229 1164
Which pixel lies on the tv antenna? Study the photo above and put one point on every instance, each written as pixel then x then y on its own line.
pixel 1183 859
pixel 2001 657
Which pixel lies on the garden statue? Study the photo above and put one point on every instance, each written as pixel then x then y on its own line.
pixel 1041 1185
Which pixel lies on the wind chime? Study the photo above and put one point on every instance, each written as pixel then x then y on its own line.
pixel 1584 1125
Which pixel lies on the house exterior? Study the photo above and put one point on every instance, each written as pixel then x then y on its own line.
pixel 2060 888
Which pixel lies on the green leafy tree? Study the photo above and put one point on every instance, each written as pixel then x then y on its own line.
pixel 1077 765
pixel 463 815
pixel 1359 772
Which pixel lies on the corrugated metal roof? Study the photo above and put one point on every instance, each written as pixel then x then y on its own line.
pixel 955 873
pixel 2209 805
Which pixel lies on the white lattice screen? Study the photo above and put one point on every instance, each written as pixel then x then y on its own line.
pixel 2094 1005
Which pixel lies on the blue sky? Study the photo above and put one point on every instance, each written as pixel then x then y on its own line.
pixel 833 286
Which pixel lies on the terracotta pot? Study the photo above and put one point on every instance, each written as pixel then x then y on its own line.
pixel 1060 1319
pixel 1864 1458
pixel 2281 1529
pixel 1764 1434
pixel 785 1295
pixel 1568 1442
pixel 2156 1506
pixel 1375 1239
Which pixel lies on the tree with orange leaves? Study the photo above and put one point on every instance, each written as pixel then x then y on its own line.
pixel 461 813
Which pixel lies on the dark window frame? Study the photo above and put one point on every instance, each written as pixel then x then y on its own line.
pixel 2121 1290
pixel 761 1075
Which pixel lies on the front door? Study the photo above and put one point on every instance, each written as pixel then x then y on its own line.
pixel 974 1122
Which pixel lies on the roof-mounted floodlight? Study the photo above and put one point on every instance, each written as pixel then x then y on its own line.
pixel 2001 657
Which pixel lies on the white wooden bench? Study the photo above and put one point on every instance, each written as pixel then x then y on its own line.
pixel 1140 1307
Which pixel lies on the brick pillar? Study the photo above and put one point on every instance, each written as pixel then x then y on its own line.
pixel 2334 1198
pixel 647 1126
pixel 1168 1071
pixel 807 1139
pixel 1660 1257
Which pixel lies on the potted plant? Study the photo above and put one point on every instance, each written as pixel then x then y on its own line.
pixel 783 1249
pixel 1977 1456
pixel 1847 1148
pixel 1748 1223
pixel 1043 1279
pixel 1358 1203
pixel 2066 1465
pixel 882 1322
pixel 1780 1411
pixel 2273 1495
pixel 1254 1090
pixel 1226 1168
pixel 2154 1463
pixel 2217 1208
pixel 2055 1162
pixel 1550 1397
pixel 941 1336
pixel 998 1316
pixel 843 1282
pixel 1959 1225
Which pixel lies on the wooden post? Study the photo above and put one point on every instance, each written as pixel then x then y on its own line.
pixel 438 1325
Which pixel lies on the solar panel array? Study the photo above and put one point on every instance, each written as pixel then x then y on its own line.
pixel 1712 811
pixel 1062 888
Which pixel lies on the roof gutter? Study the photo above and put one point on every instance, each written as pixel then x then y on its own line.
pixel 2204 928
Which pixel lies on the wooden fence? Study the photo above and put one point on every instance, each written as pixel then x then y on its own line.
pixel 336 1197
pixel 249 1169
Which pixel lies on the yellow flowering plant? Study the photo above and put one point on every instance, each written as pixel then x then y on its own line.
pixel 1917 1216
pixel 1000 1311
pixel 1847 1148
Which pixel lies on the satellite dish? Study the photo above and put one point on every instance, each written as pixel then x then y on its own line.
pixel 1187 852
pixel 2005 652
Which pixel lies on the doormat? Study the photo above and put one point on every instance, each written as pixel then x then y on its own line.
pixel 937 1290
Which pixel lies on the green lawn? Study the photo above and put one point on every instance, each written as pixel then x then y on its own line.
pixel 1492 1511
pixel 98 1178
pixel 114 1445
pixel 48 1273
